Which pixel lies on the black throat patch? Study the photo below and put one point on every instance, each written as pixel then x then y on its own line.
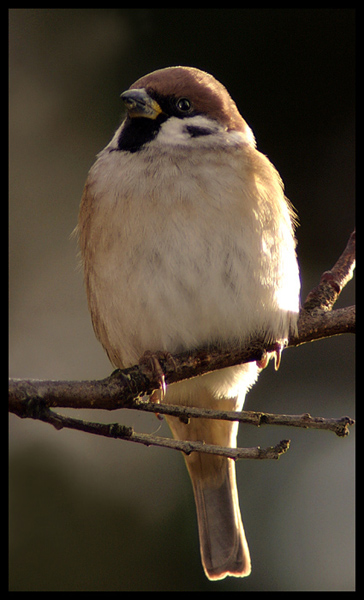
pixel 137 132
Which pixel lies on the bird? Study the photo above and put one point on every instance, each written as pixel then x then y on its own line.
pixel 187 240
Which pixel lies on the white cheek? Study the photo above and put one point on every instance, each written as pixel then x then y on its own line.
pixel 173 132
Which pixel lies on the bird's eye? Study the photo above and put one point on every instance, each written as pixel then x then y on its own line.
pixel 183 104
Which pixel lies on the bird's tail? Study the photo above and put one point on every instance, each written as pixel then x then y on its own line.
pixel 223 545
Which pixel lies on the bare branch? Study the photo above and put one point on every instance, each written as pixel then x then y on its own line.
pixel 332 282
pixel 124 388
pixel 36 406
pixel 319 324
pixel 37 410
pixel 121 388
pixel 317 320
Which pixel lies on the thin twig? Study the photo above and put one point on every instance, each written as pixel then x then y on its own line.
pixel 39 411
pixel 34 404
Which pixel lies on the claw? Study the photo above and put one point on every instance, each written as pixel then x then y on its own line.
pixel 162 386
pixel 278 349
pixel 150 360
pixel 276 353
pixel 277 358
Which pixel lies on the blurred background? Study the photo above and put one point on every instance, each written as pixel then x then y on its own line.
pixel 92 514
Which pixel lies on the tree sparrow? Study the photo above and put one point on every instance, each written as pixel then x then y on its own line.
pixel 187 240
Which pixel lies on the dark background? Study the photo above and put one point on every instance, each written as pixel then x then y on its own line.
pixel 90 514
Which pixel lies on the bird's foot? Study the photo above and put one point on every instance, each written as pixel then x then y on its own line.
pixel 153 370
pixel 276 353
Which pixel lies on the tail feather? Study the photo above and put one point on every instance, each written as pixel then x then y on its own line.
pixel 223 545
pixel 224 549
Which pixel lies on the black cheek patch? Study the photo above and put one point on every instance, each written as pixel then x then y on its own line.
pixel 196 131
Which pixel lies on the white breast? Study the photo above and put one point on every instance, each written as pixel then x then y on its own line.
pixel 188 248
